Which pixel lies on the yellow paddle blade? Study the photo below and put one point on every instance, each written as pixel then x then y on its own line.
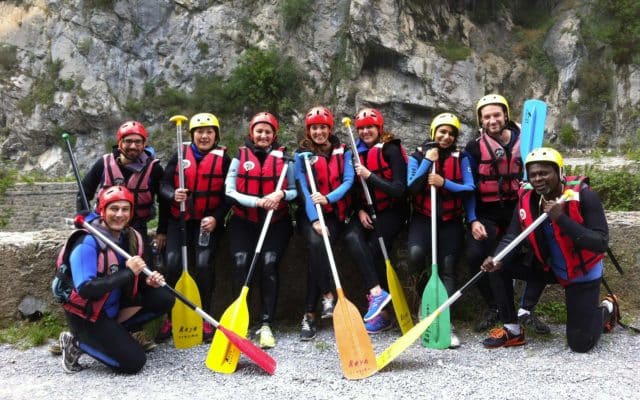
pixel 400 306
pixel 187 325
pixel 355 350
pixel 223 356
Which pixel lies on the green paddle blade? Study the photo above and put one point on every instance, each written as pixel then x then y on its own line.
pixel 438 336
pixel 187 325
pixel 223 356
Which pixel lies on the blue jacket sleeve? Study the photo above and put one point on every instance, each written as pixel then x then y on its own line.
pixel 304 193
pixel 467 179
pixel 347 179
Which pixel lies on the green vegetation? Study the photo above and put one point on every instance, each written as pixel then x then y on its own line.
pixel 453 50
pixel 616 24
pixel 203 48
pixel 85 46
pixel 295 12
pixel 8 58
pixel 44 88
pixel 8 178
pixel 102 4
pixel 554 312
pixel 568 135
pixel 618 190
pixel 27 334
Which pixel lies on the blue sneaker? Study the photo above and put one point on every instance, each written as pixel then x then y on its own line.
pixel 376 304
pixel 377 325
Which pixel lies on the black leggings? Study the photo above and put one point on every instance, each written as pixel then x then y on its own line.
pixel 450 239
pixel 110 342
pixel 199 259
pixel 319 275
pixel 584 315
pixel 364 246
pixel 243 239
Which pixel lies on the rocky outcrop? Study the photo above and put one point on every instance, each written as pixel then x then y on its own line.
pixel 75 64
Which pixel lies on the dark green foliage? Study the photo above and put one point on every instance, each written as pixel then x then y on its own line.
pixel 619 190
pixel 295 12
pixel 8 57
pixel 568 135
pixel 453 50
pixel 615 23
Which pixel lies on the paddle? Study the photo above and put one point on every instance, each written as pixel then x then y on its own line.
pixel 187 327
pixel 262 359
pixel 355 350
pixel 223 356
pixel 534 115
pixel 74 165
pixel 403 342
pixel 400 306
pixel 438 336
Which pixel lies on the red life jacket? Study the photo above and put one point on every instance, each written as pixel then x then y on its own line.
pixel 259 180
pixel 205 181
pixel 138 184
pixel 451 203
pixel 375 162
pixel 78 305
pixel 499 172
pixel 328 173
pixel 578 261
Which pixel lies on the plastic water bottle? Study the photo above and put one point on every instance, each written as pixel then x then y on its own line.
pixel 157 257
pixel 203 239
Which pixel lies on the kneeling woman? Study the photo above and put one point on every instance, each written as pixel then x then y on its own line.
pixel 110 299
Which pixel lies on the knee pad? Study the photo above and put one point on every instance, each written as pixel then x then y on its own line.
pixel 580 341
pixel 240 259
pixel 416 259
pixel 270 258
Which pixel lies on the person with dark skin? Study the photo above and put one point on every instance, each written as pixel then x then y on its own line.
pixel 567 248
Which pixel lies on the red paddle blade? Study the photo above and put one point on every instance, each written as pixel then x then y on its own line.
pixel 261 358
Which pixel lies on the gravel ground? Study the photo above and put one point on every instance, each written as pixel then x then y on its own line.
pixel 543 369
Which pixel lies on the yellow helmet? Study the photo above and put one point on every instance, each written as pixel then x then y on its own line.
pixel 444 119
pixel 548 155
pixel 204 119
pixel 492 99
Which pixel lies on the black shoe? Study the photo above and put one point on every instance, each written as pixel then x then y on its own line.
pixel 308 330
pixel 70 353
pixel 531 320
pixel 489 320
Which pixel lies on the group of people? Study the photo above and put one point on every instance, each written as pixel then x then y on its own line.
pixel 479 190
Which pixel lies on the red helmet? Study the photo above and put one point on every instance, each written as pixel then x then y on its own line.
pixel 132 128
pixel 370 116
pixel 265 117
pixel 319 115
pixel 113 194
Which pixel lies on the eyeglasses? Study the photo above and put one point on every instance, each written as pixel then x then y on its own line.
pixel 137 142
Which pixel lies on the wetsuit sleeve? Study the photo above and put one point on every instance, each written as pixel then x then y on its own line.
pixel 84 270
pixel 303 189
pixel 167 187
pixel 290 191
pixel 418 181
pixel 472 153
pixel 467 178
pixel 221 211
pixel 397 185
pixel 594 234
pixel 233 196
pixel 90 184
pixel 347 179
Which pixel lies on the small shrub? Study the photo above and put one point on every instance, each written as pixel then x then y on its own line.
pixel 27 334
pixel 568 135
pixel 453 50
pixel 618 190
pixel 203 48
pixel 85 46
pixel 8 57
pixel 295 12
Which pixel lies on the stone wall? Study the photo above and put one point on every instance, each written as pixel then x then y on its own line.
pixel 41 205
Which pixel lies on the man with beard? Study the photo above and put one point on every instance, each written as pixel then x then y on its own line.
pixel 568 247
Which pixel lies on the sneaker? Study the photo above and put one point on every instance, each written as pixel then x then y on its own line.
pixel 612 317
pixel 327 308
pixel 70 353
pixel 165 332
pixel 376 304
pixel 267 341
pixel 55 349
pixel 531 320
pixel 501 337
pixel 207 332
pixel 308 330
pixel 377 324
pixel 144 340
pixel 455 342
pixel 489 320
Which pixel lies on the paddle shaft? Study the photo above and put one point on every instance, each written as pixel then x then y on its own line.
pixel 434 222
pixel 76 172
pixel 183 223
pixel 325 235
pixel 265 227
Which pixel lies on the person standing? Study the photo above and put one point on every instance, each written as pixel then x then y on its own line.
pixel 332 167
pixel 453 179
pixel 251 186
pixel 382 164
pixel 205 167
pixel 132 164
pixel 568 248
pixel 497 166
pixel 109 300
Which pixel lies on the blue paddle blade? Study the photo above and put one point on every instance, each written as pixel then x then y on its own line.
pixel 534 116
